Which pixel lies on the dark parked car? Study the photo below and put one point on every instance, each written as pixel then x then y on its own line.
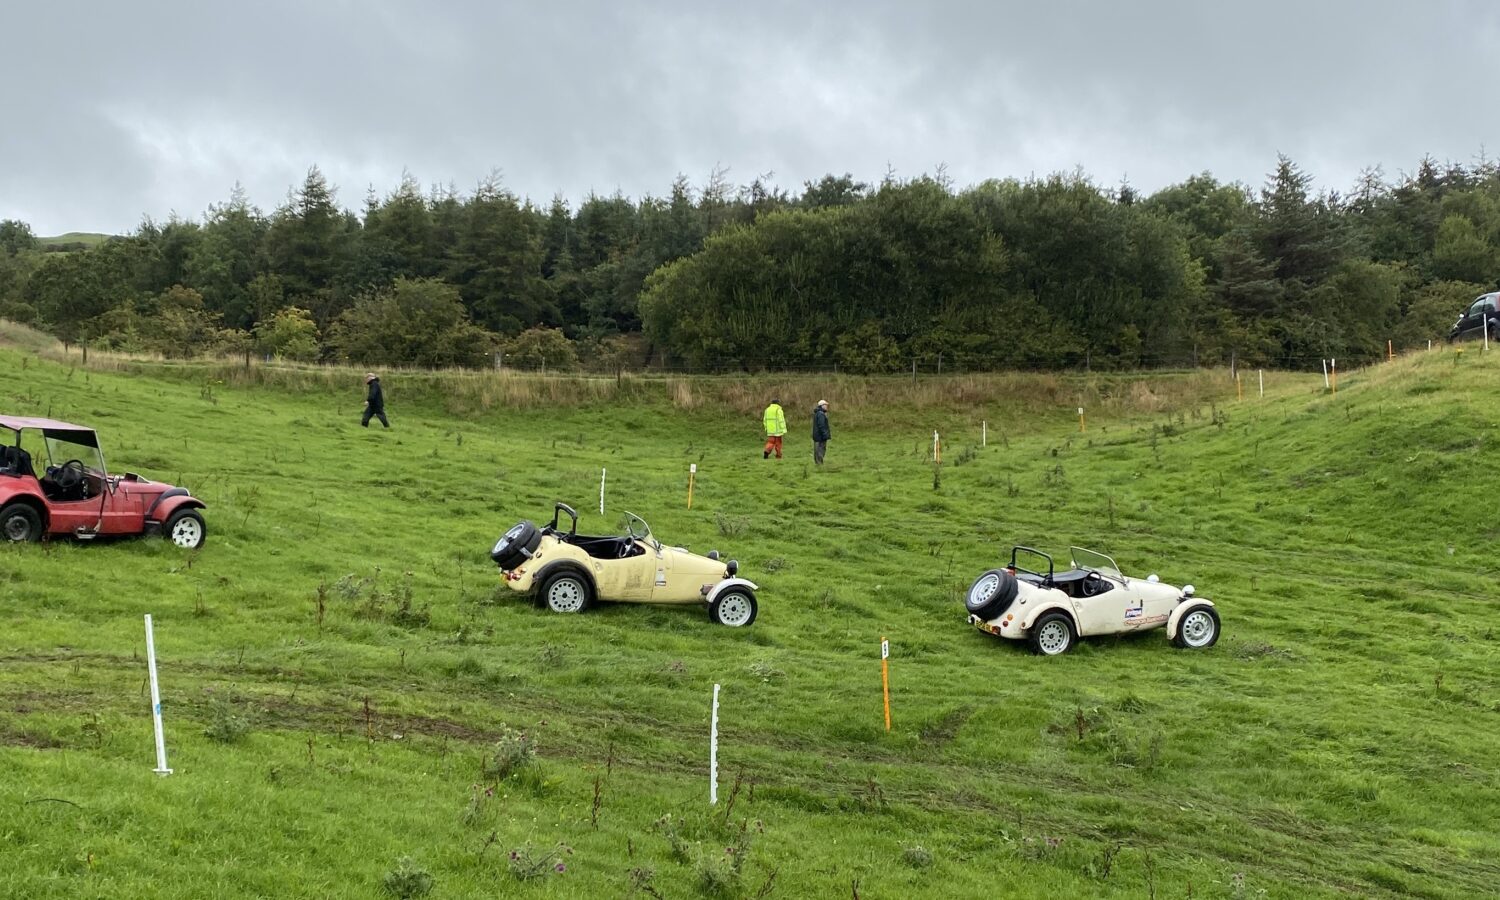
pixel 1480 315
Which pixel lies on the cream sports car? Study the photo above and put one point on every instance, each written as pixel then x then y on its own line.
pixel 1051 610
pixel 567 571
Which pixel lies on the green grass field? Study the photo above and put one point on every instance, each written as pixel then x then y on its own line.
pixel 85 238
pixel 343 677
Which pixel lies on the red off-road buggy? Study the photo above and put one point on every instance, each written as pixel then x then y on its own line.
pixel 75 496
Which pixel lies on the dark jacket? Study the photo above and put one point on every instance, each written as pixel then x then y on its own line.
pixel 820 424
pixel 375 400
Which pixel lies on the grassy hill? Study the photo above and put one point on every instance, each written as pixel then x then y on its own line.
pixel 340 666
pixel 73 240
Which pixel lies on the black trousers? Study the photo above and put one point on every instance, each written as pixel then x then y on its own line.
pixel 377 413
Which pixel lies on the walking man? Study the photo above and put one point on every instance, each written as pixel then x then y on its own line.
pixel 775 422
pixel 820 431
pixel 374 402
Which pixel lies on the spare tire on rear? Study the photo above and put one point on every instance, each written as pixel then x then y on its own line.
pixel 516 545
pixel 991 593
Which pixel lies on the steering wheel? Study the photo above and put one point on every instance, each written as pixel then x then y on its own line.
pixel 1093 583
pixel 69 475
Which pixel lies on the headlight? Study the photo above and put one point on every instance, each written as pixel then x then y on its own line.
pixel 1187 590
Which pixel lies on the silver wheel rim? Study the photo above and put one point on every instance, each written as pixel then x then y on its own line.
pixel 734 610
pixel 565 596
pixel 17 528
pixel 983 590
pixel 1197 628
pixel 186 532
pixel 1053 638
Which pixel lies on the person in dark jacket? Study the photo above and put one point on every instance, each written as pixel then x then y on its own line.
pixel 374 402
pixel 820 431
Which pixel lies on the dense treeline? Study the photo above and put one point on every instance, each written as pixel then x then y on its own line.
pixel 1041 273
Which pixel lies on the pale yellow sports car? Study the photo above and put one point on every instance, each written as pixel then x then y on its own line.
pixel 566 571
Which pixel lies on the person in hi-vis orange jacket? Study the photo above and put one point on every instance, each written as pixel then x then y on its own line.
pixel 775 422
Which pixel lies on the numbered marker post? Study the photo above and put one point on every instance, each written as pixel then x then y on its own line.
pixel 885 678
pixel 713 752
pixel 692 473
pixel 161 743
pixel 602 473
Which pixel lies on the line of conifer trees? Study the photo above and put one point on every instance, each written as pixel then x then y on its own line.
pixel 1042 273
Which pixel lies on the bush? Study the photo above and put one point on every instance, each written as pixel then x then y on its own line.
pixel 408 880
pixel 511 752
pixel 541 348
pixel 289 334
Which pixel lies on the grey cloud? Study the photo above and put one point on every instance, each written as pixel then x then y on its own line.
pixel 163 105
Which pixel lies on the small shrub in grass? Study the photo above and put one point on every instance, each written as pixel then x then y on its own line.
pixel 512 752
pixel 527 864
pixel 731 526
pixel 408 880
pixel 225 727
pixel 917 857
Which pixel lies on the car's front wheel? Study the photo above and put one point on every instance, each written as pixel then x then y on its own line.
pixel 20 522
pixel 735 607
pixel 1198 628
pixel 186 529
pixel 566 592
pixel 1052 634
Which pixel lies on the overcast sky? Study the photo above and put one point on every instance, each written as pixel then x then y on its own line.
pixel 114 111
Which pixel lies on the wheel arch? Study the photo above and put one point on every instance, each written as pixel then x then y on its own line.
pixel 564 565
pixel 167 504
pixel 31 500
pixel 1051 606
pixel 726 584
pixel 1180 610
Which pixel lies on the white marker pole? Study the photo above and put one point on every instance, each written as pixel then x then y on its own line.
pixel 984 434
pixel 602 473
pixel 1325 374
pixel 713 753
pixel 161 743
pixel 1262 384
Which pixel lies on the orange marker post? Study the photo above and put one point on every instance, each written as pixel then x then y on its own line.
pixel 885 678
pixel 692 473
pixel 1081 427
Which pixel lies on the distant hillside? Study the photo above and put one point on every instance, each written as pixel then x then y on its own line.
pixel 73 240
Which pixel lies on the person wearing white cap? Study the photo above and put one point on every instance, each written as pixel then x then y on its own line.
pixel 374 402
pixel 820 431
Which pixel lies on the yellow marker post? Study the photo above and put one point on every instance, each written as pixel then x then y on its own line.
pixel 692 473
pixel 1081 427
pixel 937 450
pixel 1239 387
pixel 885 678
pixel 1390 351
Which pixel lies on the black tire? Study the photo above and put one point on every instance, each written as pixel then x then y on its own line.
pixel 516 545
pixel 20 522
pixel 566 592
pixel 186 529
pixel 1198 629
pixel 991 593
pixel 1052 634
pixel 735 608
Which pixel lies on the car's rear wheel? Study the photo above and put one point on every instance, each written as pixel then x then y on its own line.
pixel 735 607
pixel 1198 628
pixel 20 522
pixel 186 529
pixel 991 593
pixel 516 545
pixel 1052 634
pixel 566 592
